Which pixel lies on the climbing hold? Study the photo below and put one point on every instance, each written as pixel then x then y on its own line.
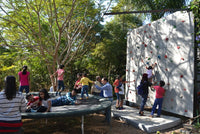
pixel 182 58
pixel 126 69
pixel 182 21
pixel 166 69
pixel 145 31
pixel 150 36
pixel 149 58
pixel 165 56
pixel 133 70
pixel 147 63
pixel 166 39
pixel 142 42
pixel 181 76
pixel 131 52
pixel 151 52
pixel 184 89
pixel 149 24
pixel 174 26
pixel 132 58
pixel 145 45
pixel 185 110
pixel 178 47
pixel 157 46
pixel 159 57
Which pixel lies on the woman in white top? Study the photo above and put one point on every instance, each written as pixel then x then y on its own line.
pixel 12 103
pixel 45 100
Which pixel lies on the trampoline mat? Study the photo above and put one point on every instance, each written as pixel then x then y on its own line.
pixel 86 106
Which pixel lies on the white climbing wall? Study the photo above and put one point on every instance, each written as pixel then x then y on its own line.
pixel 168 44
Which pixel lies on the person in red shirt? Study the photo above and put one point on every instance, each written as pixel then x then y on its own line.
pixel 33 102
pixel 116 83
pixel 60 78
pixel 24 79
pixel 160 92
pixel 77 86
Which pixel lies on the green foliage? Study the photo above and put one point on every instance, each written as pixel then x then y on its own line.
pixel 109 56
pixel 195 4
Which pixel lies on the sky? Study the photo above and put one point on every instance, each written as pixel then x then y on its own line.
pixel 107 18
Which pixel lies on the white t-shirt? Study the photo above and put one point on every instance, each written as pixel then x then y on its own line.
pixel 45 103
pixel 122 90
pixel 149 72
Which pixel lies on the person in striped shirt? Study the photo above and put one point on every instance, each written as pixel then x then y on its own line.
pixel 12 103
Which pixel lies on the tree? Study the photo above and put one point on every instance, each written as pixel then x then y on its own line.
pixel 53 30
pixel 140 5
pixel 109 56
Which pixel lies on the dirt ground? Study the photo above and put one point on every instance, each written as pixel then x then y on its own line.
pixel 93 124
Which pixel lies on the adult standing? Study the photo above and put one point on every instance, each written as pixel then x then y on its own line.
pixel 12 103
pixel 145 86
pixel 94 90
pixel 108 94
pixel 24 78
pixel 77 86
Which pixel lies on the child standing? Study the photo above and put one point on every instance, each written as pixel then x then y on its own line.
pixel 60 73
pixel 85 85
pixel 77 86
pixel 45 101
pixel 116 83
pixel 121 94
pixel 160 92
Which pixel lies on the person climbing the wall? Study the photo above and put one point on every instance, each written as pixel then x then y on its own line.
pixel 150 72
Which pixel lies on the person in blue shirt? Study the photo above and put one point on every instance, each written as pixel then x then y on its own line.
pixel 108 94
pixel 68 99
pixel 106 88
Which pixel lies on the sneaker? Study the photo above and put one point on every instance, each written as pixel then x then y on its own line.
pixel 81 98
pixel 141 113
pixel 121 108
pixel 151 116
pixel 158 116
pixel 116 107
pixel 87 97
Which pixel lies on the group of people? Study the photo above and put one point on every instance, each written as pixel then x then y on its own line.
pixel 147 83
pixel 12 102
